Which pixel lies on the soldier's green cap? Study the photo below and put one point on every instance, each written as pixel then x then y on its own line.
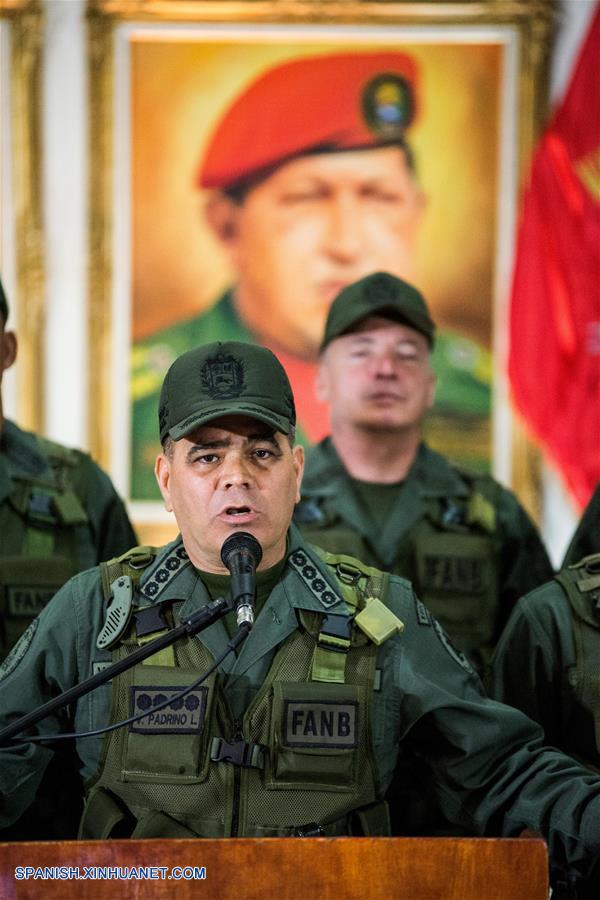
pixel 3 304
pixel 221 379
pixel 379 294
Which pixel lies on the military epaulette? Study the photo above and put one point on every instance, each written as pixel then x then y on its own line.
pixel 131 563
pixel 365 589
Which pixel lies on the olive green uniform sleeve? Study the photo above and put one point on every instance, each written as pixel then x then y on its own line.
pixel 56 652
pixel 112 533
pixel 491 771
pixel 586 539
pixel 530 667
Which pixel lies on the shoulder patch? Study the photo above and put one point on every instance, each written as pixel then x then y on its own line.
pixel 423 615
pixel 18 651
pixel 453 651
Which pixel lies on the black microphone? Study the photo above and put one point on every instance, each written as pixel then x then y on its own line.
pixel 241 554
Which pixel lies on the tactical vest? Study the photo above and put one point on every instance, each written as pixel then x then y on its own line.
pixel 299 762
pixel 450 556
pixel 45 540
pixel 581 584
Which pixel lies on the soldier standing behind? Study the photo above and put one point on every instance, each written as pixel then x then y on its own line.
pixel 374 488
pixel 547 663
pixel 59 514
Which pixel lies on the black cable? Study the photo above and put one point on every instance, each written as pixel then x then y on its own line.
pixel 231 646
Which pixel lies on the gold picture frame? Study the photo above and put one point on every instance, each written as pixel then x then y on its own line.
pixel 527 27
pixel 24 19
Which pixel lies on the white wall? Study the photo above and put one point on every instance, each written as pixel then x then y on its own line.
pixel 65 195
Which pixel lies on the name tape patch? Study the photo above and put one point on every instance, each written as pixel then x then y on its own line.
pixel 326 724
pixel 184 715
pixel 26 602
pixel 455 574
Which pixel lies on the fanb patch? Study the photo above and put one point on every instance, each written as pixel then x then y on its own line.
pixel 184 715
pixel 453 574
pixel 223 377
pixel 307 723
pixel 27 601
pixel 388 106
pixel 18 651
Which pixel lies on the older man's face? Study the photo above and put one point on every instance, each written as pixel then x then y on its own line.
pixel 233 474
pixel 377 378
pixel 317 224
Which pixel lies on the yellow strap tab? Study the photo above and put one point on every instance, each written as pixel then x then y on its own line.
pixel 328 665
pixel 164 657
pixel 378 622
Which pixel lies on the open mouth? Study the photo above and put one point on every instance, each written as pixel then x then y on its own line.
pixel 237 510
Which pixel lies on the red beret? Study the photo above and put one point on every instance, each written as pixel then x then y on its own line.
pixel 312 104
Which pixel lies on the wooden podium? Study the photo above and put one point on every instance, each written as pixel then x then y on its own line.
pixel 279 869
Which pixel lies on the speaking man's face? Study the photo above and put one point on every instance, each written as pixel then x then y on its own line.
pixel 315 225
pixel 232 474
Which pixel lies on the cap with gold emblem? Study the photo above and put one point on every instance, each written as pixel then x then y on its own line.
pixel 378 294
pixel 313 104
pixel 221 379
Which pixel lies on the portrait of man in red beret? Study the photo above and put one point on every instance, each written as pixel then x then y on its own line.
pixel 310 178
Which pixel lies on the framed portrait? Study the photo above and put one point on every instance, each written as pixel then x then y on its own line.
pixel 190 100
pixel 21 249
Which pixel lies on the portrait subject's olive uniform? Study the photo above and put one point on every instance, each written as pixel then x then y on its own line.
pixel 463 540
pixel 280 741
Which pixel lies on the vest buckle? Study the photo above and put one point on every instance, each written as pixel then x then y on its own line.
pixel 240 753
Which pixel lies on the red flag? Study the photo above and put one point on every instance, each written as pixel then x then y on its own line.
pixel 554 363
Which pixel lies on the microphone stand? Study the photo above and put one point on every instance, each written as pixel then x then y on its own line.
pixel 199 620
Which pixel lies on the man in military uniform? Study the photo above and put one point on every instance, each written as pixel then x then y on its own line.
pixel 298 733
pixel 59 514
pixel 546 664
pixel 312 185
pixel 586 539
pixel 376 490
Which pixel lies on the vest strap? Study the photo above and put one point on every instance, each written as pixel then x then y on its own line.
pixel 333 644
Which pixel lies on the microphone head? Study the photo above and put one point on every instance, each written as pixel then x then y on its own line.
pixel 241 542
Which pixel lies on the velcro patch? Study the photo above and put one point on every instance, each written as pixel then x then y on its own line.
pixel 323 724
pixel 184 715
pixel 18 651
pixel 453 574
pixel 27 601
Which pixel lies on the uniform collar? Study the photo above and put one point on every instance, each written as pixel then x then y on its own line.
pixel 305 585
pixel 430 477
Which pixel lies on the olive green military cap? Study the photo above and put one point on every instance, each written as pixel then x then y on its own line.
pixel 379 294
pixel 221 379
pixel 3 304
